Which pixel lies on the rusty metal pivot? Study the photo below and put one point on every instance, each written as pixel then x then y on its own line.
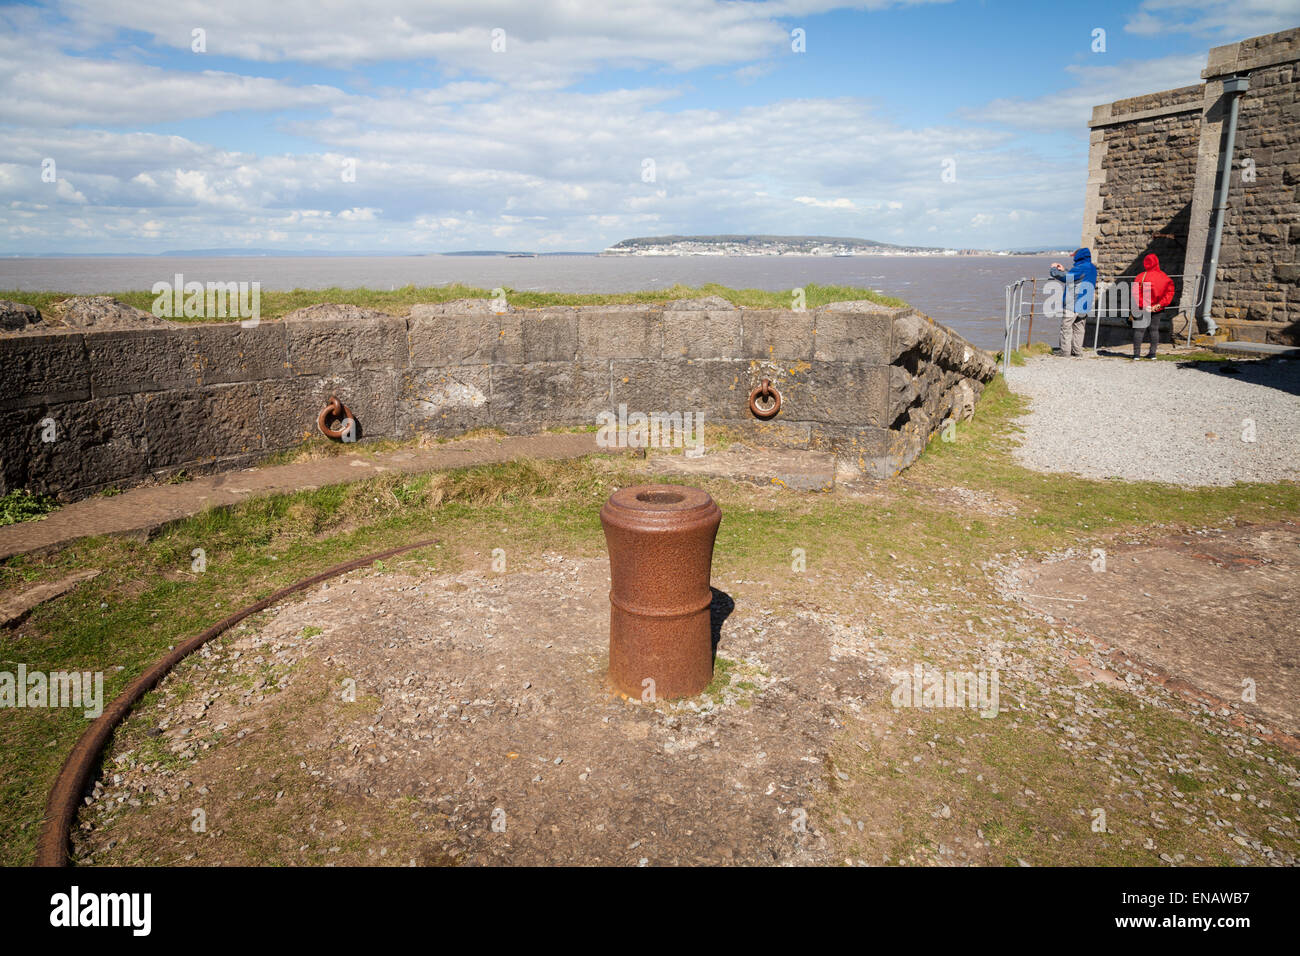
pixel 660 540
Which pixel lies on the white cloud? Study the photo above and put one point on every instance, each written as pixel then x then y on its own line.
pixel 826 203
pixel 65 190
pixel 546 41
pixel 426 179
pixel 1222 20
pixel 54 89
pixel 499 148
pixel 1098 83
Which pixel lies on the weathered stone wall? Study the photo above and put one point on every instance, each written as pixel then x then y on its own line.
pixel 870 383
pixel 1259 276
pixel 1153 167
pixel 1148 163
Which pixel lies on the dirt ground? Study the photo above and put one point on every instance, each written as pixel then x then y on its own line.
pixel 1201 607
pixel 405 716
pixel 481 700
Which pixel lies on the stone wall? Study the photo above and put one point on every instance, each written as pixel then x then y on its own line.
pixel 1147 147
pixel 1153 168
pixel 870 383
pixel 1259 275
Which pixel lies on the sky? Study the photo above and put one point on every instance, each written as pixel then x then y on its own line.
pixel 406 126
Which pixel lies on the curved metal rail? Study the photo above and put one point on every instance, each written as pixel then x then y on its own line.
pixel 65 795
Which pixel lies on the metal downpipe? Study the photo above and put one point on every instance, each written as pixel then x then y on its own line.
pixel 1233 87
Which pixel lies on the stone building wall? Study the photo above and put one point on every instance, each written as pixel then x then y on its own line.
pixel 1258 280
pixel 1147 148
pixel 870 383
pixel 1153 168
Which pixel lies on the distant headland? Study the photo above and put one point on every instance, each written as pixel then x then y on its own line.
pixel 787 246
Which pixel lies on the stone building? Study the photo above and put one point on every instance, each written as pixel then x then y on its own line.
pixel 1153 172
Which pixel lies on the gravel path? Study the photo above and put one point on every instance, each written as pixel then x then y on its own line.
pixel 1154 421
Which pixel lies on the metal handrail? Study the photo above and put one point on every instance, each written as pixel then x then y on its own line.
pixel 1020 308
pixel 1198 296
pixel 1016 314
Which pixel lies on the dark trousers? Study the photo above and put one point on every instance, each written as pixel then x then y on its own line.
pixel 1152 331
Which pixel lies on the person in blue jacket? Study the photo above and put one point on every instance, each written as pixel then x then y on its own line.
pixel 1076 299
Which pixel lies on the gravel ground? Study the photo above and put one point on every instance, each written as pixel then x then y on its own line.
pixel 1156 421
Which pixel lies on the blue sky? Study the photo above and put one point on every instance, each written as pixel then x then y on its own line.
pixel 396 125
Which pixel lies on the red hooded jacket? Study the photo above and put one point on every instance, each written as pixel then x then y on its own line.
pixel 1160 286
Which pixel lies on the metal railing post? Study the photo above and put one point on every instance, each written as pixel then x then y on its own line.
pixel 1033 297
pixel 1006 332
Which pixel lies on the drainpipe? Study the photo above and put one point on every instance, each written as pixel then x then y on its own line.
pixel 1233 87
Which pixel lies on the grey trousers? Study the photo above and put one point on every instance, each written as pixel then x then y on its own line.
pixel 1152 331
pixel 1073 325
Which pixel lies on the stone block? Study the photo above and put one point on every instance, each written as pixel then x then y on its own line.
pixel 229 353
pixel 200 424
pixel 441 341
pixel 777 335
pixel 903 392
pixel 859 337
pixel 334 345
pixel 127 362
pixel 873 452
pixel 912 332
pixel 42 369
pixel 550 336
pixel 152 360
pixel 1287 271
pixel 443 400
pixel 837 392
pixel 549 392
pixel 289 407
pixel 718 387
pixel 16 316
pixel 96 443
pixel 620 334
pixel 713 334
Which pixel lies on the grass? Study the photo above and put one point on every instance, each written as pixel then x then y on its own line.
pixel 733 682
pixel 22 505
pixel 147 598
pixel 1035 800
pixel 318 448
pixel 1203 356
pixel 276 304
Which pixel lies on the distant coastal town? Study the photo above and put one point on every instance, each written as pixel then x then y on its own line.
pixel 787 246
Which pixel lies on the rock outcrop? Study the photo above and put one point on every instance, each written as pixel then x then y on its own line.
pixel 103 313
pixel 15 316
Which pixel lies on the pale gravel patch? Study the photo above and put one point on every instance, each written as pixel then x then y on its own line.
pixel 1152 421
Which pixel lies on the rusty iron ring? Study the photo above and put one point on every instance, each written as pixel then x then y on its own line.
pixel 334 410
pixel 65 796
pixel 767 391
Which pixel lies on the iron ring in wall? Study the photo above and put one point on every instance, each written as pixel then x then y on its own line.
pixel 772 397
pixel 336 411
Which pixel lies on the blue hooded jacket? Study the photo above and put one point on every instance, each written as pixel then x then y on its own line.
pixel 1082 278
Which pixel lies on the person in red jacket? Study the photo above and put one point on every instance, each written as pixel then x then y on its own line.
pixel 1153 290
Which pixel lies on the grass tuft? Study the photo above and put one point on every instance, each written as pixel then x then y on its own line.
pixel 22 505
